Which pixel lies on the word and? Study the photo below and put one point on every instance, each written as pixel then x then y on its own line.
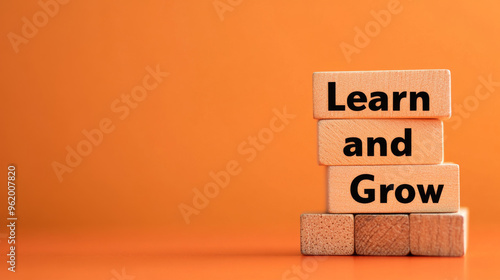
pixel 356 100
pixel 398 191
pixel 356 148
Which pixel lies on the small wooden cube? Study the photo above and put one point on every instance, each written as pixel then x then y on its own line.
pixel 327 234
pixel 439 234
pixel 380 142
pixel 382 235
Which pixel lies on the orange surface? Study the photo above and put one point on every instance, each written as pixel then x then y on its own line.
pixel 230 78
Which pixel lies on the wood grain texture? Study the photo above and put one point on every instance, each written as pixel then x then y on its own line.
pixel 435 82
pixel 340 178
pixel 327 234
pixel 439 234
pixel 382 235
pixel 426 141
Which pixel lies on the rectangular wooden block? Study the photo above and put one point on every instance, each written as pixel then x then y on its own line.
pixel 439 234
pixel 382 94
pixel 327 234
pixel 382 235
pixel 393 188
pixel 380 141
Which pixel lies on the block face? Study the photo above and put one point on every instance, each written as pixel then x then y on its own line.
pixel 358 142
pixel 382 235
pixel 438 234
pixel 327 234
pixel 436 83
pixel 389 189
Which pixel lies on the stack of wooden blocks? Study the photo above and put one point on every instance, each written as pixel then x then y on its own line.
pixel 380 133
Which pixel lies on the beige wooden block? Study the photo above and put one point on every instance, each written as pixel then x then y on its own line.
pixel 380 141
pixel 439 234
pixel 382 235
pixel 393 188
pixel 340 95
pixel 327 234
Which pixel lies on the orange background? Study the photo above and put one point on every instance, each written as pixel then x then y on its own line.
pixel 119 206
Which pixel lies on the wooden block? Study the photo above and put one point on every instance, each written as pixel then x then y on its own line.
pixel 382 94
pixel 380 142
pixel 327 234
pixel 393 188
pixel 382 235
pixel 439 234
